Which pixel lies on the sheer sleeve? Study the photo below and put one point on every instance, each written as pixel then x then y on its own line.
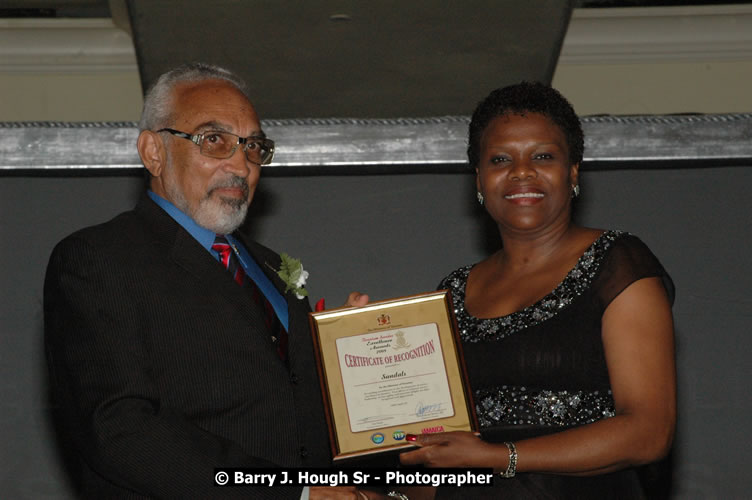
pixel 628 261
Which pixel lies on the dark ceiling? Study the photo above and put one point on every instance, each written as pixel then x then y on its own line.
pixel 356 59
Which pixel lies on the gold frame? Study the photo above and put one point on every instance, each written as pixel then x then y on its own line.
pixel 425 316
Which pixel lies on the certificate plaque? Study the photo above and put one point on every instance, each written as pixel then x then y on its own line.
pixel 388 369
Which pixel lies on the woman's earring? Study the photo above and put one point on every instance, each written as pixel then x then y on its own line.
pixel 480 197
pixel 575 191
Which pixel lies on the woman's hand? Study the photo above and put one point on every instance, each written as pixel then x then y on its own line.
pixel 455 449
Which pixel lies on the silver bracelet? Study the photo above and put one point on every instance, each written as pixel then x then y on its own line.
pixel 512 467
pixel 397 494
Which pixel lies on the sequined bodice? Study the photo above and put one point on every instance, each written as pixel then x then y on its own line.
pixel 578 279
pixel 544 365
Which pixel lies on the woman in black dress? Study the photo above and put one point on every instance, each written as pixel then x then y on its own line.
pixel 567 330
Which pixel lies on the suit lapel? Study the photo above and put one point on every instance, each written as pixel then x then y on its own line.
pixel 297 309
pixel 268 261
pixel 191 257
pixel 195 260
pixel 184 251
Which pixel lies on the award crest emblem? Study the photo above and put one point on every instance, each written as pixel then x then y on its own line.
pixel 399 341
pixel 384 319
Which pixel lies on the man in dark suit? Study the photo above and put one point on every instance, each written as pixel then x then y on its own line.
pixel 164 364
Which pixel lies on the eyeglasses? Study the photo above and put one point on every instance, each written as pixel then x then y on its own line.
pixel 216 144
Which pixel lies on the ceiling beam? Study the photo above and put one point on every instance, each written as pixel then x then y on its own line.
pixel 391 146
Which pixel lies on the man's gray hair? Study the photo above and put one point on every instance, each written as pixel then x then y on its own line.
pixel 157 112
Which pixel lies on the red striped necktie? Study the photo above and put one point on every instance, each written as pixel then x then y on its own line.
pixel 230 261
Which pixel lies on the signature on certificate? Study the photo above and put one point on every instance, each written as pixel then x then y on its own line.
pixel 422 410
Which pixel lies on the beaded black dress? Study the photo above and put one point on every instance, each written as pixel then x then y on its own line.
pixel 542 369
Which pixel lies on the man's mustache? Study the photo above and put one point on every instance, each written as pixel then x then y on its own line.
pixel 232 182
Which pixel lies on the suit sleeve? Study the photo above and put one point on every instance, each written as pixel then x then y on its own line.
pixel 100 378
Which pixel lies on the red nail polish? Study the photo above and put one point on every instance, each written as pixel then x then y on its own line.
pixel 411 437
pixel 320 305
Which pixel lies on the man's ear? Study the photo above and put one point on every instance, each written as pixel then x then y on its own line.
pixel 152 151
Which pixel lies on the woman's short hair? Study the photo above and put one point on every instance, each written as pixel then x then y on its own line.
pixel 157 111
pixel 521 98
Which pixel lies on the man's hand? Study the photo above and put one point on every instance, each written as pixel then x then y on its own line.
pixel 336 493
pixel 356 299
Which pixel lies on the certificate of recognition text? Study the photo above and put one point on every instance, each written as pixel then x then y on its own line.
pixel 394 377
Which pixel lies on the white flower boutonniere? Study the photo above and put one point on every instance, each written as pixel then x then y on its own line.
pixel 292 273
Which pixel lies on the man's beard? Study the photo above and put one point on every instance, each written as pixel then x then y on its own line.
pixel 218 214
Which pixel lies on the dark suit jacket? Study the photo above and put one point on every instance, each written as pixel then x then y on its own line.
pixel 162 369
